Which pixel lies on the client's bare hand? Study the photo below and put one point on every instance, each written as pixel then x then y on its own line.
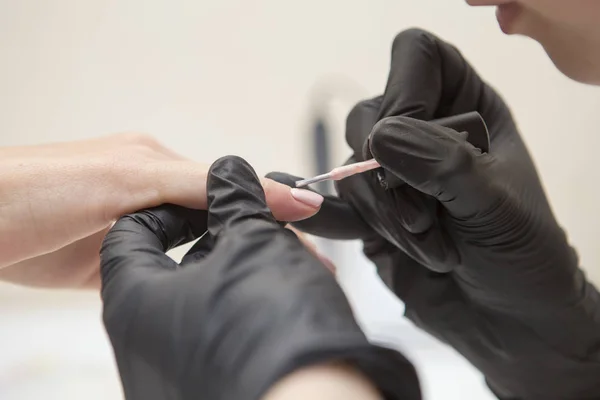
pixel 58 200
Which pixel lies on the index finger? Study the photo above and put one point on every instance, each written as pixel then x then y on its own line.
pixel 429 79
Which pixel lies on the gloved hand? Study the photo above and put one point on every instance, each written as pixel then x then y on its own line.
pixel 470 244
pixel 248 304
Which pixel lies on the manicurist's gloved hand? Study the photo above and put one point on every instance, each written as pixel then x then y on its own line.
pixel 470 243
pixel 248 305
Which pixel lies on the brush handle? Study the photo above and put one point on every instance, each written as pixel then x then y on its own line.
pixel 352 169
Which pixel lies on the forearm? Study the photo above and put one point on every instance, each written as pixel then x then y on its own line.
pixel 46 206
pixel 328 381
pixel 73 266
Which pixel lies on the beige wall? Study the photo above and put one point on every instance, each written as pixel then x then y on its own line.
pixel 234 76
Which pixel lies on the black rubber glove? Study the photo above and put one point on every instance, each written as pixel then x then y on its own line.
pixel 248 305
pixel 470 244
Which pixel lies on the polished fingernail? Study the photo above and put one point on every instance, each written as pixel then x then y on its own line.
pixel 307 197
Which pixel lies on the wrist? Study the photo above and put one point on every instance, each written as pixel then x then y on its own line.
pixel 325 381
pixel 376 370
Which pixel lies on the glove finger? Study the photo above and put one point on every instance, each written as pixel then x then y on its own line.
pixel 416 212
pixel 429 79
pixel 137 243
pixel 235 195
pixel 432 248
pixel 359 123
pixel 412 206
pixel 336 219
pixel 437 162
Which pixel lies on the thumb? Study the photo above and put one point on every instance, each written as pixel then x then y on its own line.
pixel 436 161
pixel 235 195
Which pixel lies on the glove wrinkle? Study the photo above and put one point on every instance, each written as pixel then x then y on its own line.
pixel 233 198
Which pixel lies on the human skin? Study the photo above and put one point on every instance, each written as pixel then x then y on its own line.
pixel 568 30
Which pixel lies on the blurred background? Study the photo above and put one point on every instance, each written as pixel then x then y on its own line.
pixel 252 77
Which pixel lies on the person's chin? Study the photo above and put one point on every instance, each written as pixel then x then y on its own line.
pixel 508 16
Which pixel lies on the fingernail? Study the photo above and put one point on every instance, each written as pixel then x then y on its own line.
pixel 307 197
